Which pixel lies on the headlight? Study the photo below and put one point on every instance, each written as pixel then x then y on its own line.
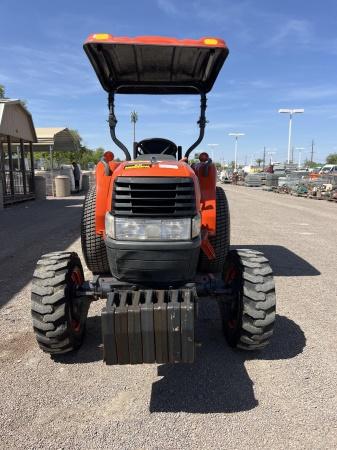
pixel 110 225
pixel 127 229
pixel 196 225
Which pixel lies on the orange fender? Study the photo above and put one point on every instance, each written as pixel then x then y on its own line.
pixel 207 176
pixel 103 181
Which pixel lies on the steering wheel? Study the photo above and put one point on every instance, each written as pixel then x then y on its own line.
pixel 157 144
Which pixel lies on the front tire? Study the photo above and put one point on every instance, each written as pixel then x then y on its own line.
pixel 58 315
pixel 93 246
pixel 248 310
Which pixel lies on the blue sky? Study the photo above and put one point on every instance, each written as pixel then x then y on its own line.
pixel 282 55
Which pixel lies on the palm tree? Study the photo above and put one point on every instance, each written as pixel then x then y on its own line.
pixel 134 119
pixel 2 91
pixel 259 161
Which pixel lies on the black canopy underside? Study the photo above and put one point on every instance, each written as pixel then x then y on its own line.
pixel 155 69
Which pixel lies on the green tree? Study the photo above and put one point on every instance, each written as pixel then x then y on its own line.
pixel 2 91
pixel 259 161
pixel 332 158
pixel 311 164
pixel 76 135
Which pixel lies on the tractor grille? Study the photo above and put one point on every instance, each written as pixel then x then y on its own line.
pixel 138 196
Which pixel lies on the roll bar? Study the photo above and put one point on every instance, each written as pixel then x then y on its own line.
pixel 201 122
pixel 112 125
pixel 113 122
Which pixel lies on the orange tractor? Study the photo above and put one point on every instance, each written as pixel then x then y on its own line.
pixel 155 230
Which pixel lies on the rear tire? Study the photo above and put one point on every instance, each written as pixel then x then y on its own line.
pixel 58 315
pixel 248 311
pixel 93 246
pixel 221 240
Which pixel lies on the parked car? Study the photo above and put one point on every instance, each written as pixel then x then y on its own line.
pixel 329 169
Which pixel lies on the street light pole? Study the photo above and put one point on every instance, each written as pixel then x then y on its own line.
pixel 236 135
pixel 291 112
pixel 289 135
pixel 271 157
pixel 299 155
pixel 212 147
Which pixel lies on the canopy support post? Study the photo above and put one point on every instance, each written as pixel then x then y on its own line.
pixel 32 184
pixel 11 169
pixel 23 167
pixel 51 170
pixel 201 122
pixel 112 125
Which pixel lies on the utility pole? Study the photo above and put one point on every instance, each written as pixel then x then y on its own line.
pixel 312 151
pixel 264 157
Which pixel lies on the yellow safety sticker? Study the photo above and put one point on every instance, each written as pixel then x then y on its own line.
pixel 137 166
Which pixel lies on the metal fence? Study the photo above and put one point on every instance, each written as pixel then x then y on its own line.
pixel 17 186
pixel 16 171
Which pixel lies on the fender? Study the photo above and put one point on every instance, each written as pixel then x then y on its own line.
pixel 104 171
pixel 207 176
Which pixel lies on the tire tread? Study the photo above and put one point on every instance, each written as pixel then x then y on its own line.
pixel 93 246
pixel 221 240
pixel 49 303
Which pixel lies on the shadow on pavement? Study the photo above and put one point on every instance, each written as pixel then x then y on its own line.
pixel 91 349
pixel 284 262
pixel 218 381
pixel 29 230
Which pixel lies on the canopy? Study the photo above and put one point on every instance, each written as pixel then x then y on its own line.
pixel 61 139
pixel 16 121
pixel 155 65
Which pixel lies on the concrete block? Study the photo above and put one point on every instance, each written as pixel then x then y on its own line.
pixel 40 188
pixel 62 186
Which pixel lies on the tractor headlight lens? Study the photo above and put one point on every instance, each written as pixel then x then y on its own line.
pixel 196 225
pixel 110 225
pixel 127 229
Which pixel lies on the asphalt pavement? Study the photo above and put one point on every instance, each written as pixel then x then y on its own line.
pixel 284 397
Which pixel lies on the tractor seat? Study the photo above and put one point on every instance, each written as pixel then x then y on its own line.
pixel 157 146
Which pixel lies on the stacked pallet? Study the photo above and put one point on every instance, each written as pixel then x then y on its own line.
pixel 253 180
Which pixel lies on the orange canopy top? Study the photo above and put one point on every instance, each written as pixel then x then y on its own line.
pixel 154 64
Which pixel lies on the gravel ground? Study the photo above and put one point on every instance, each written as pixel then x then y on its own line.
pixel 283 397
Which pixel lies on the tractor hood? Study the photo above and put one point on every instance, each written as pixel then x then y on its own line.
pixel 155 65
pixel 167 168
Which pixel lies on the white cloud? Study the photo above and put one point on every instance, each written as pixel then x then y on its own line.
pixel 167 6
pixel 50 73
pixel 181 103
pixel 312 92
pixel 299 31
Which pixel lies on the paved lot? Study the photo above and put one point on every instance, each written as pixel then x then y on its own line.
pixel 283 397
